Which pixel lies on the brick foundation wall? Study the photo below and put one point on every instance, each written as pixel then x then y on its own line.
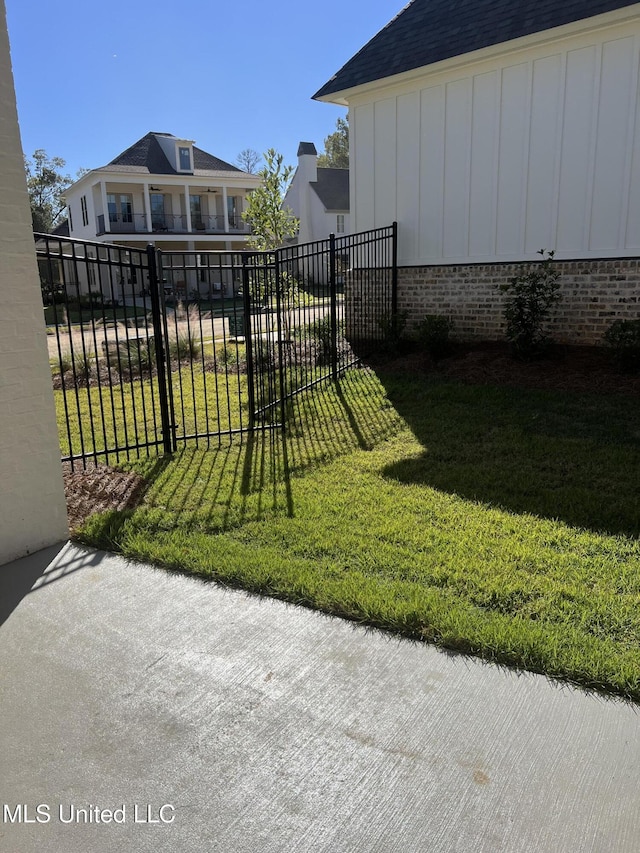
pixel 367 303
pixel 594 294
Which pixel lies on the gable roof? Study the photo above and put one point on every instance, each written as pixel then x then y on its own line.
pixel 332 188
pixel 428 31
pixel 146 157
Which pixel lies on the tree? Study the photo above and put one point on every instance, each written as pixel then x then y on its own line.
pixel 248 160
pixel 46 184
pixel 271 223
pixel 336 147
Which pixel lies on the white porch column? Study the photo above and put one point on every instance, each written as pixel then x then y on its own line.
pixel 225 210
pixel 147 206
pixel 187 206
pixel 105 207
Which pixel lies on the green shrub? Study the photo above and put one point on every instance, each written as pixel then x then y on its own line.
pixel 320 331
pixel 82 364
pixel 433 335
pixel 623 336
pixel 61 364
pixel 393 325
pixel 185 346
pixel 530 297
pixel 226 356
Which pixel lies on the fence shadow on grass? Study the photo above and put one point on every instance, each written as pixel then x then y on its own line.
pixel 571 457
pixel 253 478
pixel 351 414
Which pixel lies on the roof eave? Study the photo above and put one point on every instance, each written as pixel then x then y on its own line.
pixel 331 98
pixel 612 18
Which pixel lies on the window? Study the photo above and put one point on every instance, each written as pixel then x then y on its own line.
pixel 83 208
pixel 120 208
pixel 70 219
pixel 158 219
pixel 340 223
pixel 184 157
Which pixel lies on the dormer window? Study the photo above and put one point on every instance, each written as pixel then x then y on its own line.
pixel 184 159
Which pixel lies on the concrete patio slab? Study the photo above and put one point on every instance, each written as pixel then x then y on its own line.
pixel 259 726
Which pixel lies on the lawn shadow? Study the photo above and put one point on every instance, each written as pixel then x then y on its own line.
pixel 249 479
pixel 556 455
pixel 337 418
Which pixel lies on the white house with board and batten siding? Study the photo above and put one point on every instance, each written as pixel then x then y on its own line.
pixel 492 130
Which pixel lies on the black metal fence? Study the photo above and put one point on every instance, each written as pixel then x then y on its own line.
pixel 150 349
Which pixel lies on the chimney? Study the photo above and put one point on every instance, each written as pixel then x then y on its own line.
pixel 308 162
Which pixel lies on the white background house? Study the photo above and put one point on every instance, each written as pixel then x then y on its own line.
pixel 491 131
pixel 166 190
pixel 319 197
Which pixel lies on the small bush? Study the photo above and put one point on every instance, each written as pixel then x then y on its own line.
pixel 530 297
pixel 623 336
pixel 185 346
pixel 226 356
pixel 92 299
pixel 82 363
pixel 320 332
pixel 62 364
pixel 433 335
pixel 392 326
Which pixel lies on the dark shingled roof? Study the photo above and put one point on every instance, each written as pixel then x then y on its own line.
pixel 306 148
pixel 332 188
pixel 61 229
pixel 147 157
pixel 428 31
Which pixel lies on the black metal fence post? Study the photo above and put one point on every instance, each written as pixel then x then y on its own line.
pixel 334 306
pixel 246 301
pixel 280 296
pixel 394 269
pixel 166 415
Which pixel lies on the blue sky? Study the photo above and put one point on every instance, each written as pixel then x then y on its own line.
pixel 91 78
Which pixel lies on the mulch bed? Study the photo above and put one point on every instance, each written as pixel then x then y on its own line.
pixel 97 489
pixel 564 368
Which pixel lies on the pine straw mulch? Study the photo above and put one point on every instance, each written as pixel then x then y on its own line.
pixel 564 368
pixel 573 369
pixel 97 489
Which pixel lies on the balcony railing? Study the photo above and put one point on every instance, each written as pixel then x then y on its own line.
pixel 123 223
pixel 171 223
pixel 216 224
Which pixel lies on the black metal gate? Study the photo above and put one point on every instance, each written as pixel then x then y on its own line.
pixel 151 349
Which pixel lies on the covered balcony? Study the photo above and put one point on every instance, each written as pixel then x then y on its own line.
pixel 169 209
pixel 169 223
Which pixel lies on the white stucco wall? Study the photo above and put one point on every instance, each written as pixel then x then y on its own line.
pixel 32 504
pixel 496 158
pixel 323 223
pixel 316 223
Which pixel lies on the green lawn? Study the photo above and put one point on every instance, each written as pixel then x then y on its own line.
pixel 101 417
pixel 488 520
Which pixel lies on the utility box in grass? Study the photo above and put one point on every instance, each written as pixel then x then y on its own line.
pixel 236 325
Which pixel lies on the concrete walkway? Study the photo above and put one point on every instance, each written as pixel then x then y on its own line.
pixel 264 727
